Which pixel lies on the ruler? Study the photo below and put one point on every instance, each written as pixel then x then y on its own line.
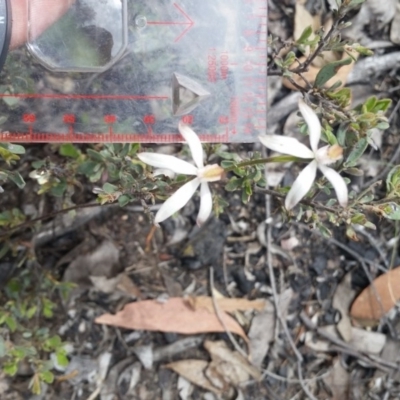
pixel 130 70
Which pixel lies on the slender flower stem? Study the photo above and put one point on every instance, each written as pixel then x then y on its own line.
pixel 303 201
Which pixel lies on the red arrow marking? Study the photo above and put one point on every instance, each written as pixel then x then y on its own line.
pixel 189 23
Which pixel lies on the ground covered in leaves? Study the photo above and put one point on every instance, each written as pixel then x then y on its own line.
pixel 249 306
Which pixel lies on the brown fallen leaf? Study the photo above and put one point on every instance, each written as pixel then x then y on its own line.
pixel 225 304
pixel 378 298
pixel 174 315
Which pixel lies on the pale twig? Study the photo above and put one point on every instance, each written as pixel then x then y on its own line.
pixel 272 276
pixel 302 383
pixel 280 378
pixel 275 294
pixel 94 395
pixel 276 298
pixel 218 314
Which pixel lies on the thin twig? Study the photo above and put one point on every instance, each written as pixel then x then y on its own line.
pixel 292 381
pixel 218 314
pixel 320 48
pixel 297 86
pixel 302 382
pixel 51 215
pixel 272 276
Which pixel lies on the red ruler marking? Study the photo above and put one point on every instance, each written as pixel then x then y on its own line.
pixel 246 112
pixel 82 96
pixel 188 23
pixel 40 137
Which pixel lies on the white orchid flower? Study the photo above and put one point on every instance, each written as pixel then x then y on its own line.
pixel 203 175
pixel 320 159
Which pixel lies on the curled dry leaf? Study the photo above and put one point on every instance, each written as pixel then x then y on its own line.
pixel 261 334
pixel 193 371
pixel 175 315
pixel 342 300
pixel 338 381
pixel 378 298
pixel 231 364
pixel 361 340
pixel 227 369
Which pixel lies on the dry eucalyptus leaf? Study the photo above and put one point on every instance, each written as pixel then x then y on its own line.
pixel 174 315
pixel 378 298
pixel 261 334
pixel 361 340
pixel 368 341
pixel 226 304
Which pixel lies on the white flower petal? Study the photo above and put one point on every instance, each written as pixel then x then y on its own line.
pixel 301 185
pixel 286 145
pixel 338 184
pixel 205 204
pixel 164 171
pixel 177 200
pixel 169 162
pixel 312 121
pixel 194 143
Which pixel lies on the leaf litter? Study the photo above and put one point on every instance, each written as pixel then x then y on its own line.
pixel 175 315
pixel 227 369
